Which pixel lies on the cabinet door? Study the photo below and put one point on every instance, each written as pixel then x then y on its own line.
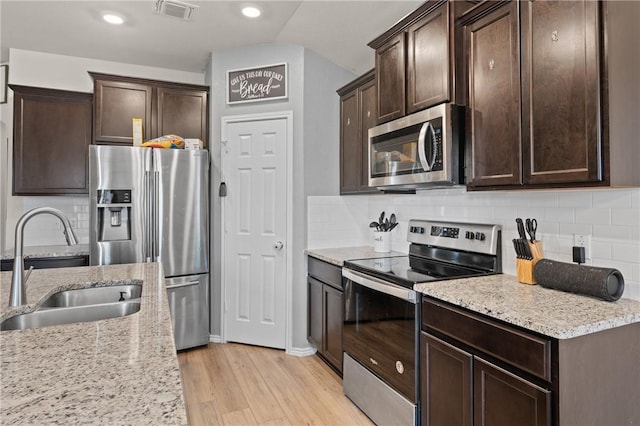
pixel 368 119
pixel 502 398
pixel 428 60
pixel 350 144
pixel 333 319
pixel 493 116
pixel 52 134
pixel 560 91
pixel 116 103
pixel 315 306
pixel 390 78
pixel 446 384
pixel 183 113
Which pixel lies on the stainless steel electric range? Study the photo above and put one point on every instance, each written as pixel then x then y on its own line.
pixel 381 330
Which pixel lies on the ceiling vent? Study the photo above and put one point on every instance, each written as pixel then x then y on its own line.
pixel 174 8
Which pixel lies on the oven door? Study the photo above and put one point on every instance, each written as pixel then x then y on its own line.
pixel 381 330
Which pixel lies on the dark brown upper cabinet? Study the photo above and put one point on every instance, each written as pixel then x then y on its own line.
pixel 538 96
pixel 428 53
pixel 357 116
pixel 493 113
pixel 416 60
pixel 390 81
pixel 117 102
pixel 51 138
pixel 165 108
pixel 561 91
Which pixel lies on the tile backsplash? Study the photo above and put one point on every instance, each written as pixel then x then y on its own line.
pixel 610 216
pixel 45 229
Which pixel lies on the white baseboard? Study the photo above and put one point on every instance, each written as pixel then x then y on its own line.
pixel 215 338
pixel 305 351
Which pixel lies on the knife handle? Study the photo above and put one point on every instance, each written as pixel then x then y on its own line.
pixel 521 231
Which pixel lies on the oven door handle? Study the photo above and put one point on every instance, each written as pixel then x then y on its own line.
pixel 381 286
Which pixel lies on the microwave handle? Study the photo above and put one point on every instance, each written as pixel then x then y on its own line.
pixel 422 142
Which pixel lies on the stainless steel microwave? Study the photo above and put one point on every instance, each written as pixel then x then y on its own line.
pixel 420 150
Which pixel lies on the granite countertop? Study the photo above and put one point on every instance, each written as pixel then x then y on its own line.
pixel 49 251
pixel 337 256
pixel 115 371
pixel 550 312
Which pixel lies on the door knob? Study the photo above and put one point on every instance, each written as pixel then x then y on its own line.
pixel 278 245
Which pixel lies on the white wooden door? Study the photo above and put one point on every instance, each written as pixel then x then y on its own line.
pixel 255 214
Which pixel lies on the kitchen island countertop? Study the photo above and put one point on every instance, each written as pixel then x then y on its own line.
pixel 115 371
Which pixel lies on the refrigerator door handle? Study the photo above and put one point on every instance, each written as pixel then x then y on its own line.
pixel 187 284
pixel 147 216
pixel 156 216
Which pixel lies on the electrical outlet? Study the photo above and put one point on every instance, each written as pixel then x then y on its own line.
pixel 583 240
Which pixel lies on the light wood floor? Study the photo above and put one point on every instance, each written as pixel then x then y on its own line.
pixel 233 384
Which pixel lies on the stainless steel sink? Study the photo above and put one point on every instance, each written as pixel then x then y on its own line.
pixel 93 296
pixel 70 315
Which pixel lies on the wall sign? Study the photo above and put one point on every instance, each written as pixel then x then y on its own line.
pixel 257 84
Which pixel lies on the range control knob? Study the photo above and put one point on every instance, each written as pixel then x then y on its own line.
pixel 480 236
pixel 421 230
pixel 469 235
pixel 412 229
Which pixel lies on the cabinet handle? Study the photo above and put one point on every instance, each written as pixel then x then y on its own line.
pixel 554 36
pixel 492 64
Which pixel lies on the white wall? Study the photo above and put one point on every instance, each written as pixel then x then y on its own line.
pixel 610 216
pixel 312 98
pixel 38 69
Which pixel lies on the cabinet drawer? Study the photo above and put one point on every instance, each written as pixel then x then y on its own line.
pixel 524 351
pixel 325 272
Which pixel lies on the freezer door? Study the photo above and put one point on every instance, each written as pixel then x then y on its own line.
pixel 117 231
pixel 182 217
pixel 188 302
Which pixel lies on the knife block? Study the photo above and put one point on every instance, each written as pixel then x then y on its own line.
pixel 524 267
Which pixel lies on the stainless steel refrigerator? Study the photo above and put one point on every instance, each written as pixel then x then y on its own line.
pixel 153 204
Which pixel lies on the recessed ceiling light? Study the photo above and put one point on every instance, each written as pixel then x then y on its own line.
pixel 251 12
pixel 113 18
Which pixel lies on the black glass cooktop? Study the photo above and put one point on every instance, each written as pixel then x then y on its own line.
pixel 407 271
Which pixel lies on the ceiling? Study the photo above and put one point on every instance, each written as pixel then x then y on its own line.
pixel 336 30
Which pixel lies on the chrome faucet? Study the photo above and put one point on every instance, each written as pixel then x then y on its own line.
pixel 18 291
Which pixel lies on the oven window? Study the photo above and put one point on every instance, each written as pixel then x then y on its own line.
pixel 396 153
pixel 380 333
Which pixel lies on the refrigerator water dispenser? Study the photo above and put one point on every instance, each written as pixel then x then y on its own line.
pixel 114 213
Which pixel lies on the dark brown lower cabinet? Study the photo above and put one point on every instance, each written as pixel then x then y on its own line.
pixel 325 307
pixel 462 389
pixel 479 371
pixel 502 398
pixel 447 383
